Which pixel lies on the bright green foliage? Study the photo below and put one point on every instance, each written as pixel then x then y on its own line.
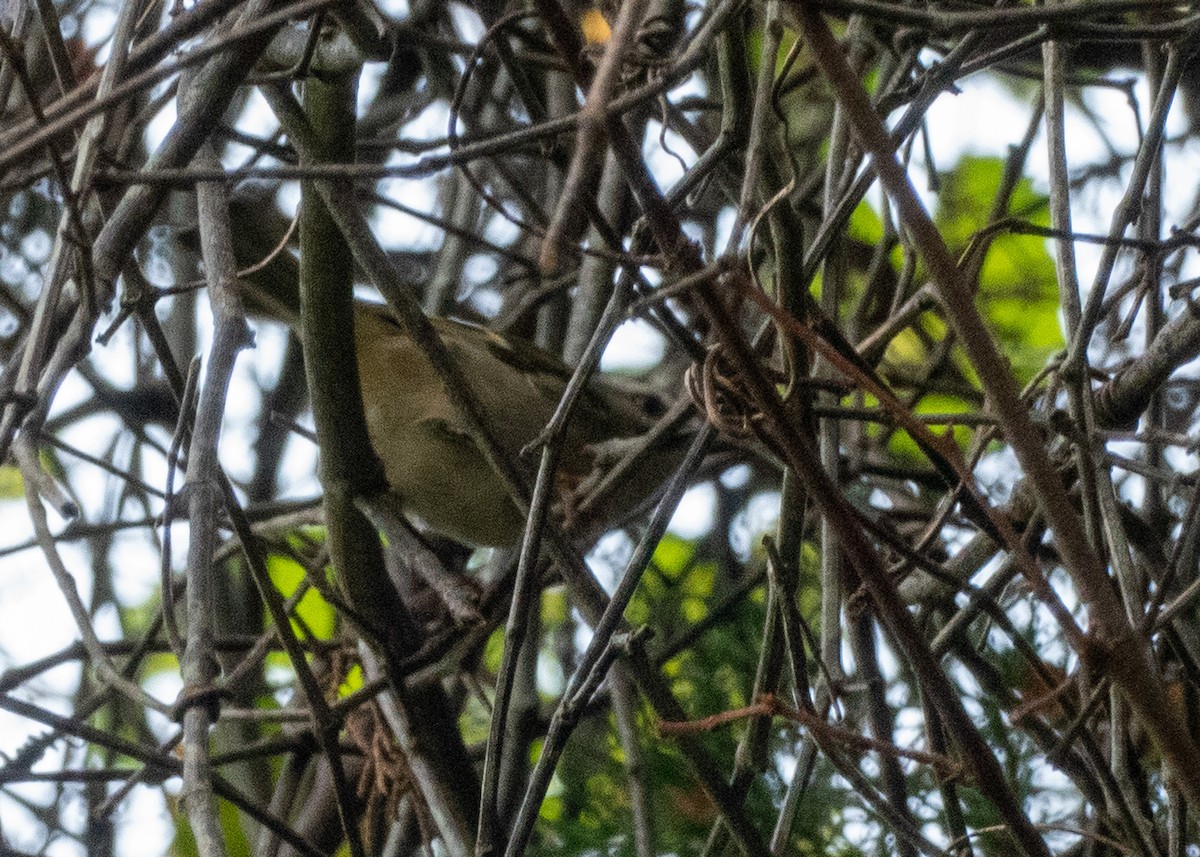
pixel 12 486
pixel 865 224
pixel 236 844
pixel 1018 292
pixel 313 615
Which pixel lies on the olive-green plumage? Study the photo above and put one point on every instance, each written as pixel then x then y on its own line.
pixel 428 456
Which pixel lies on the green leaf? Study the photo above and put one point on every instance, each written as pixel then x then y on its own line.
pixel 1018 290
pixel 12 486
pixel 313 612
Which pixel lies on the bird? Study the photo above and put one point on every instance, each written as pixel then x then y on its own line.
pixel 429 458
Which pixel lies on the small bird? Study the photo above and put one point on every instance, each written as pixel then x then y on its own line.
pixel 429 458
pixel 434 466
